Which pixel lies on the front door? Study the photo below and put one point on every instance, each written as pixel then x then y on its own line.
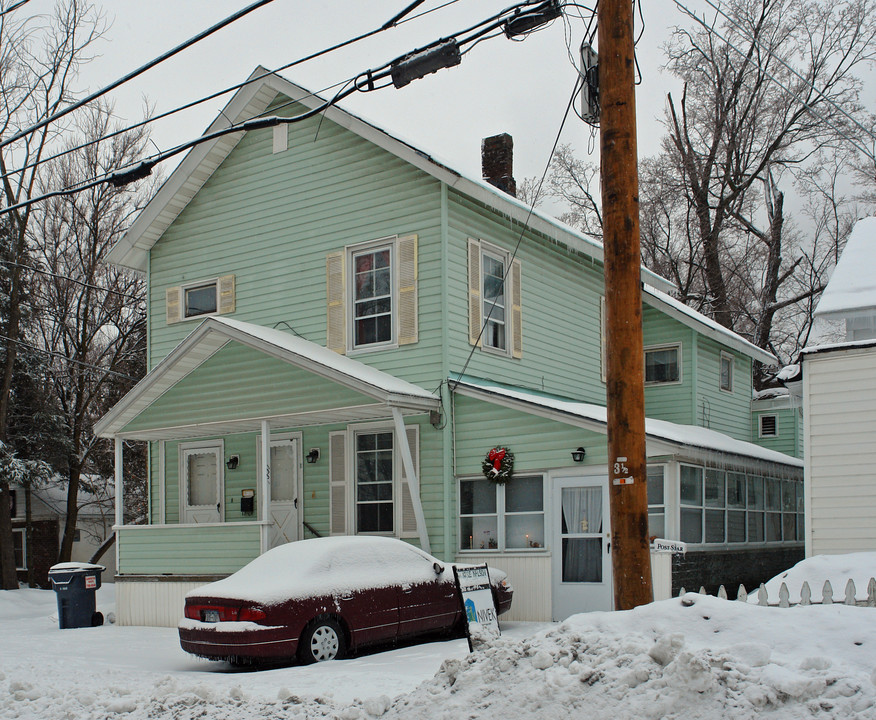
pixel 581 562
pixel 285 460
pixel 201 484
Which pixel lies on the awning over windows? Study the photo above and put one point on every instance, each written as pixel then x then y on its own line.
pixel 228 376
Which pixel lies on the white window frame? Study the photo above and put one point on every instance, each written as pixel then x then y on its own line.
pixel 203 447
pixel 760 432
pixel 351 251
pixel 659 508
pixel 184 289
pixel 725 357
pixel 501 515
pixel 503 256
pixel 21 531
pixel 656 348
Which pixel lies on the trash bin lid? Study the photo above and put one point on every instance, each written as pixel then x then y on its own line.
pixel 74 566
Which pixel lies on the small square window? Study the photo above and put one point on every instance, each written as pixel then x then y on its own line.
pixel 200 300
pixel 662 365
pixel 769 426
pixel 726 372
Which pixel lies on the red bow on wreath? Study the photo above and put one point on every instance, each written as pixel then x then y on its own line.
pixel 496 457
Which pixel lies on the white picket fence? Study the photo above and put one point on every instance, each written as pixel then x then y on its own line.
pixel 805 595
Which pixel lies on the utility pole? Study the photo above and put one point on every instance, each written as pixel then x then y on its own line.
pixel 627 468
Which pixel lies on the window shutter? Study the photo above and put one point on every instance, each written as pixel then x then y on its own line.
pixel 474 292
pixel 408 525
pixel 336 326
pixel 337 484
pixel 516 313
pixel 407 290
pixel 225 289
pixel 173 304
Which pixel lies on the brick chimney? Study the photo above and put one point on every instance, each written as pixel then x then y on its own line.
pixel 497 162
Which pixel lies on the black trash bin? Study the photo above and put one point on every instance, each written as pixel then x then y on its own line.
pixel 75 586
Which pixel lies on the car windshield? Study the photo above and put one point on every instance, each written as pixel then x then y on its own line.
pixel 323 566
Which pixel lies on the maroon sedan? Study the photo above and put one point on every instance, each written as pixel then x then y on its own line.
pixel 320 599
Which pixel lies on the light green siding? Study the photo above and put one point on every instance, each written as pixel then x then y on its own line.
pixel 671 401
pixel 726 412
pixel 789 426
pixel 270 219
pixel 241 382
pixel 190 550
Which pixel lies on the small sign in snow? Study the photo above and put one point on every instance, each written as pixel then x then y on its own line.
pixel 669 546
pixel 482 619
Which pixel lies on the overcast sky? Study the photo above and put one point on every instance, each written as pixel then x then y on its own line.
pixel 501 86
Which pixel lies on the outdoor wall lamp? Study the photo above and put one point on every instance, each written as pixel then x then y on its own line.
pixel 232 462
pixel 578 455
pixel 312 456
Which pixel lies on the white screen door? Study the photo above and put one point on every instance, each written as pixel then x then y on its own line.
pixel 201 485
pixel 581 561
pixel 285 459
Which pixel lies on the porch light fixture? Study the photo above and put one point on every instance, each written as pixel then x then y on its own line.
pixel 578 455
pixel 232 462
pixel 312 456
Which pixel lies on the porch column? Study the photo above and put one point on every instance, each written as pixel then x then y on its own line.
pixel 120 495
pixel 265 486
pixel 413 480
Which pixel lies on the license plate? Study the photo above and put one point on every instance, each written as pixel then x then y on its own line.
pixel 211 616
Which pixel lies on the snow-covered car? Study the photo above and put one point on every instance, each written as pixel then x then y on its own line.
pixel 320 599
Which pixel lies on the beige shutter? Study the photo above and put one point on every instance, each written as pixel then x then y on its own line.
pixel 408 524
pixel 516 313
pixel 337 484
pixel 336 325
pixel 225 287
pixel 407 290
pixel 474 292
pixel 603 345
pixel 173 304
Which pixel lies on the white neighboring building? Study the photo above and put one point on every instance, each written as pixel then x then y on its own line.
pixel 839 407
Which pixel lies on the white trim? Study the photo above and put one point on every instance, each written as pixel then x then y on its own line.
pixel 401 436
pixel 279 438
pixel 194 285
pixel 162 479
pixel 677 346
pixel 350 251
pixel 488 249
pixel 265 486
pixel 23 533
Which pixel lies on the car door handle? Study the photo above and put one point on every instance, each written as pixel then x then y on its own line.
pixel 346 597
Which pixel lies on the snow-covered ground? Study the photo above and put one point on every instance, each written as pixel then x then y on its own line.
pixel 694 657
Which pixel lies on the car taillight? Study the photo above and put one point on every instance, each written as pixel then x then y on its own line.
pixel 223 613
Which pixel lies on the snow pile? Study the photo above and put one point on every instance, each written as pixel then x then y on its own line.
pixel 695 657
pixel 837 569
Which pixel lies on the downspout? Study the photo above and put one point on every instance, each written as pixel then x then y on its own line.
pixel 265 488
pixel 120 497
pixel 447 460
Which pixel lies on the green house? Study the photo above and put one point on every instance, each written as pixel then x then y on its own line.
pixel 343 330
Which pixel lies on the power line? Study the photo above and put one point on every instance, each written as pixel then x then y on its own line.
pixel 363 82
pixel 386 26
pixel 139 71
pixel 13 8
pixel 9 263
pixel 52 353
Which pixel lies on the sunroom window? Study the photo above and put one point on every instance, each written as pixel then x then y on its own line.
pixel 501 517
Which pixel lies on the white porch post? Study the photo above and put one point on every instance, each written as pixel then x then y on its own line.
pixel 265 486
pixel 413 480
pixel 120 494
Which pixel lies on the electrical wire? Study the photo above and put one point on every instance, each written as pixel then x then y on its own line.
pixel 364 82
pixel 13 8
pixel 9 263
pixel 229 89
pixel 523 230
pixel 70 360
pixel 134 73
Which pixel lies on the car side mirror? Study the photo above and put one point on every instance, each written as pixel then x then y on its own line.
pixel 438 568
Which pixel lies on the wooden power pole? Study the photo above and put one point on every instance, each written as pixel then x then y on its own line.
pixel 627 469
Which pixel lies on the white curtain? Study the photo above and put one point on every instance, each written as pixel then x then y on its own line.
pixel 582 516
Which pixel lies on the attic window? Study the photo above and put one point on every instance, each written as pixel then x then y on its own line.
pixel 201 300
pixel 768 426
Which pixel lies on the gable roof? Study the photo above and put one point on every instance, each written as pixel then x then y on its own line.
pixel 214 333
pixel 253 99
pixel 852 287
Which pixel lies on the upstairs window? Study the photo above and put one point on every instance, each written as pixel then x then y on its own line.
pixel 494 299
pixel 662 365
pixel 493 294
pixel 372 297
pixel 200 299
pixel 726 374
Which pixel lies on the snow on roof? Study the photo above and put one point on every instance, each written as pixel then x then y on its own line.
pixel 707 326
pixel 684 436
pixel 852 287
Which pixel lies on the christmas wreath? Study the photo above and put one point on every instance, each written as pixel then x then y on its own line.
pixel 498 465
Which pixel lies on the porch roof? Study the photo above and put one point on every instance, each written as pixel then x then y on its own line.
pixel 663 437
pixel 379 391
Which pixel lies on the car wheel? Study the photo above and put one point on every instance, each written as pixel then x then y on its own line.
pixel 322 640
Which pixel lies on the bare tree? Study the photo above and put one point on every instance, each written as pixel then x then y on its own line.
pixel 39 60
pixel 90 313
